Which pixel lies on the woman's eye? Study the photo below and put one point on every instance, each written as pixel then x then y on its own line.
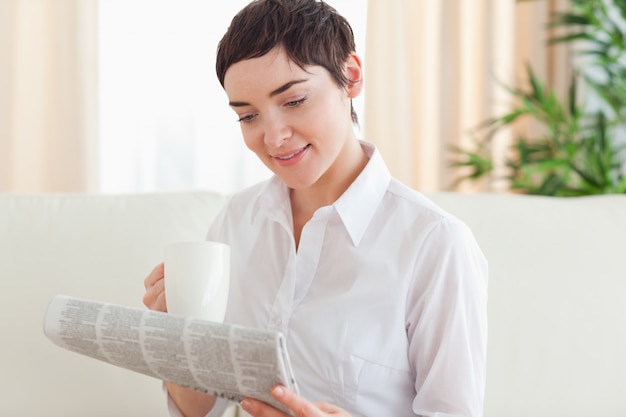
pixel 245 119
pixel 296 103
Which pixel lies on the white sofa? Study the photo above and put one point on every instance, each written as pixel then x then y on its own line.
pixel 557 297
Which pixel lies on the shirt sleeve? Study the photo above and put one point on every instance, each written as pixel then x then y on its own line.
pixel 215 231
pixel 447 323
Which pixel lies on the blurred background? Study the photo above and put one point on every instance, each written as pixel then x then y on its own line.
pixel 121 95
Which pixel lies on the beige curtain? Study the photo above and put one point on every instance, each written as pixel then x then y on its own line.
pixel 432 72
pixel 48 95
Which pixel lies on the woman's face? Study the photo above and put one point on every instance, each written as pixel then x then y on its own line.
pixel 297 121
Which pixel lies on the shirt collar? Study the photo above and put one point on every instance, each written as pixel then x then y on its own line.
pixel 273 198
pixel 359 202
pixel 356 206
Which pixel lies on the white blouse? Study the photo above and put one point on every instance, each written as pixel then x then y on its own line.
pixel 383 305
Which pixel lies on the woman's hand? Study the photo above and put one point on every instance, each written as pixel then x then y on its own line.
pixel 154 298
pixel 188 401
pixel 300 406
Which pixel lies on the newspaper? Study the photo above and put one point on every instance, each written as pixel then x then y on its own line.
pixel 224 360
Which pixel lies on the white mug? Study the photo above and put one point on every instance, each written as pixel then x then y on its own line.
pixel 197 278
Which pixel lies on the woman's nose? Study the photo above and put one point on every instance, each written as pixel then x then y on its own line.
pixel 277 131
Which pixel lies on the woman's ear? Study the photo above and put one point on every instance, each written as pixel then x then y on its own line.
pixel 353 72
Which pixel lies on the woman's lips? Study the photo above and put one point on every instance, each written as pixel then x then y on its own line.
pixel 292 157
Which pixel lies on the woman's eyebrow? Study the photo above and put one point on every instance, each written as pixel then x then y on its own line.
pixel 238 104
pixel 286 87
pixel 279 90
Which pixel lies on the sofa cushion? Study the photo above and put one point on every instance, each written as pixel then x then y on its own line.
pixel 557 301
pixel 557 296
pixel 92 246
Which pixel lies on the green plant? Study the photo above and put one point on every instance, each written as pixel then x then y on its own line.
pixel 579 151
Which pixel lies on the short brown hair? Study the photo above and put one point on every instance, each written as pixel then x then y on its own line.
pixel 310 31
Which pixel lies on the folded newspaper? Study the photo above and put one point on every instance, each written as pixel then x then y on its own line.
pixel 224 360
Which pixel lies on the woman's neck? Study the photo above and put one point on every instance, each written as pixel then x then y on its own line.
pixel 334 182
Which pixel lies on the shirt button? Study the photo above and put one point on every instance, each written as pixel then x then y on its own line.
pixel 277 321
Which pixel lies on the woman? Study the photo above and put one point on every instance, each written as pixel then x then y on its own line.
pixel 381 294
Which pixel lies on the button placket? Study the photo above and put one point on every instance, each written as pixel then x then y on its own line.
pixel 309 250
pixel 284 298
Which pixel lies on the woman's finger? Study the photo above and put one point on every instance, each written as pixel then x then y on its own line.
pixel 155 275
pixel 154 298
